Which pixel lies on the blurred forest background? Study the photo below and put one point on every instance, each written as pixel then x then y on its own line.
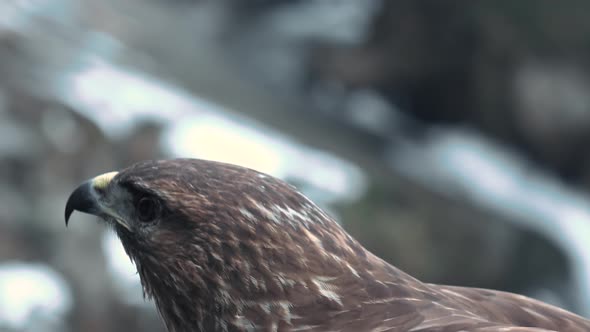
pixel 450 137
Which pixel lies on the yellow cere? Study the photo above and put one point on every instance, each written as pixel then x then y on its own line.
pixel 101 181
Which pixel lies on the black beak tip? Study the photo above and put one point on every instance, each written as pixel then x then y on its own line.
pixel 82 200
pixel 68 213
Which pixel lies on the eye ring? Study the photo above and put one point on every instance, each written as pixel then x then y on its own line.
pixel 148 209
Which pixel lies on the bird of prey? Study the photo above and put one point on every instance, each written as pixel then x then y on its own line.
pixel 224 248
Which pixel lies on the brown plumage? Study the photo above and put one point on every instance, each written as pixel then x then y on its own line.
pixel 224 248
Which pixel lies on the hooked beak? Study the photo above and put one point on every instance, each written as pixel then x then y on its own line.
pixel 83 200
pixel 86 197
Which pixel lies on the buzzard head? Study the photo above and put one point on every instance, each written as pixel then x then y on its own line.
pixel 218 245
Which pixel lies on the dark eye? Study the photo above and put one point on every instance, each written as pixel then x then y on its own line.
pixel 148 209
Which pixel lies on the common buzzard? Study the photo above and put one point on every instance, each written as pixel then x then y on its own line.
pixel 225 248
